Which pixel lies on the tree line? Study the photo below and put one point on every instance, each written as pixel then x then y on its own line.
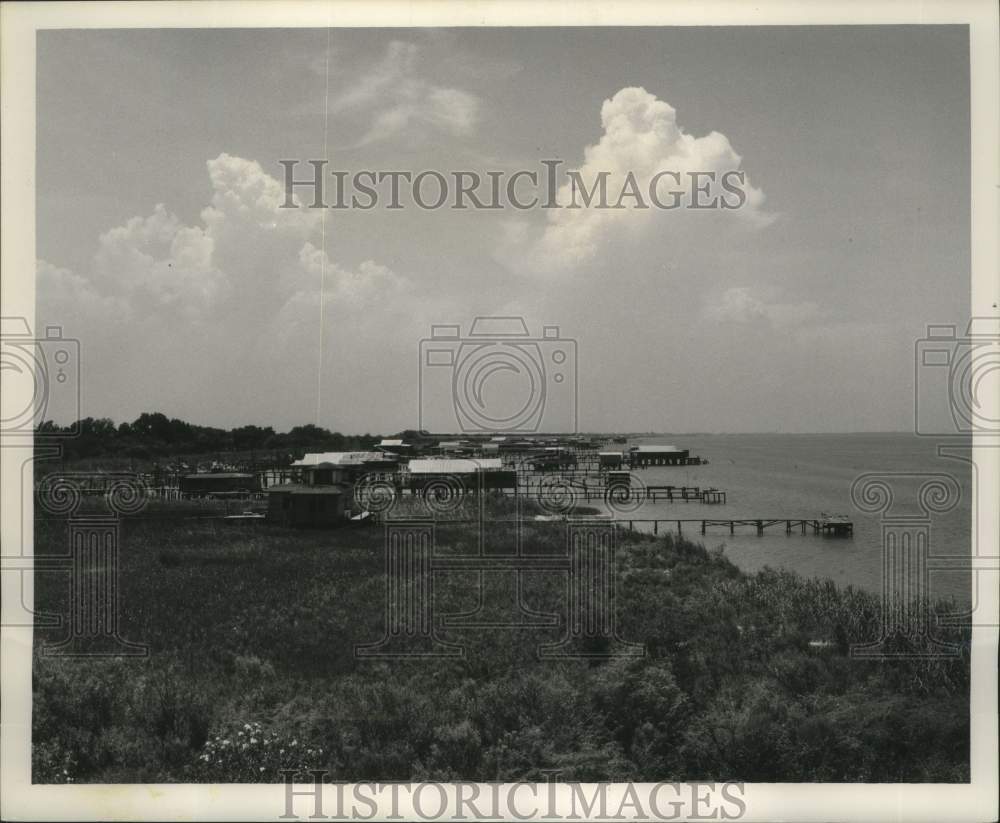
pixel 153 434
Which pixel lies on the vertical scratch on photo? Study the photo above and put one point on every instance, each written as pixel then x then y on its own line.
pixel 322 258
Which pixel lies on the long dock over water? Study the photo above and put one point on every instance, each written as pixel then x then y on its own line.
pixel 834 526
pixel 638 494
pixel 823 526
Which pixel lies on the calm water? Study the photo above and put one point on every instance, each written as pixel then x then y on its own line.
pixel 797 476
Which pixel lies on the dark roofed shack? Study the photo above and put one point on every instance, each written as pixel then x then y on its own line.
pixel 219 484
pixel 297 504
pixel 658 455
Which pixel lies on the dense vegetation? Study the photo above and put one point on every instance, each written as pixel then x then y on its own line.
pixel 252 630
pixel 154 434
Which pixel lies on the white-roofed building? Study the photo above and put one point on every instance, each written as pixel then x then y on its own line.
pixel 454 465
pixel 339 459
pixel 471 475
pixel 344 467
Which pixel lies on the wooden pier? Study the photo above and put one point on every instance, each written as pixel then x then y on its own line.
pixel 802 525
pixel 581 493
pixel 831 526
pixel 630 494
pixel 588 460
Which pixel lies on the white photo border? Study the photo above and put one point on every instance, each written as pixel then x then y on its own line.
pixel 802 802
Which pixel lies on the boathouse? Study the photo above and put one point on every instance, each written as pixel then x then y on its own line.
pixel 642 457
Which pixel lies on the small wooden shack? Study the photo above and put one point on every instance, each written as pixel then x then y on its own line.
pixel 297 504
pixel 610 460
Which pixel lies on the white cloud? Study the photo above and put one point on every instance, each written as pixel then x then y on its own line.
pixel 641 137
pixel 155 263
pixel 399 100
pixel 242 191
pixel 246 250
pixel 742 304
pixel 199 313
pixel 63 294
pixel 370 282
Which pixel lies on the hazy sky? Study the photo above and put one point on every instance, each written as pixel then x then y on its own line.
pixel 162 249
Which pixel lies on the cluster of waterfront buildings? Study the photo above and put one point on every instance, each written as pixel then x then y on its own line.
pixel 320 488
pixel 321 493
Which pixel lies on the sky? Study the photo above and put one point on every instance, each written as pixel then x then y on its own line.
pixel 163 249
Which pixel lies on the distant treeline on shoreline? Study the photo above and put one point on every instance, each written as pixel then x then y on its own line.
pixel 153 434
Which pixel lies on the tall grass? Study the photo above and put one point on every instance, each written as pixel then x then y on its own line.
pixel 256 626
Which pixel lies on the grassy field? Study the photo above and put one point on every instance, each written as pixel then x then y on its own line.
pixel 252 630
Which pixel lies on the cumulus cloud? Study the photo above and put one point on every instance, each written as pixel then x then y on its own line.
pixel 63 294
pixel 155 263
pixel 642 138
pixel 245 246
pixel 742 304
pixel 370 282
pixel 399 100
pixel 244 193
pixel 170 304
